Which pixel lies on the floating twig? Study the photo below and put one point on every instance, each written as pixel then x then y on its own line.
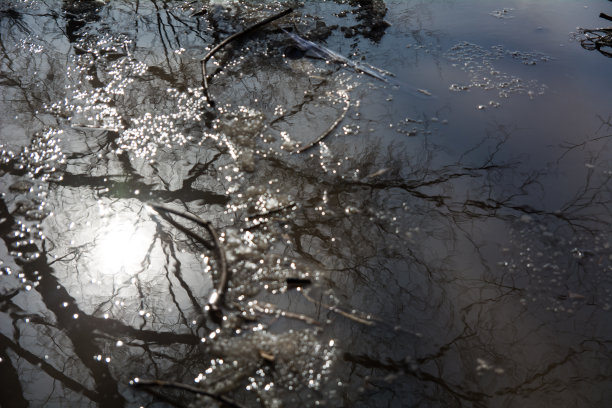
pixel 329 130
pixel 269 357
pixel 74 254
pixel 139 382
pixel 339 311
pixel 325 53
pixel 218 295
pixel 377 173
pixel 280 208
pixel 257 218
pixel 230 39
pixel 269 308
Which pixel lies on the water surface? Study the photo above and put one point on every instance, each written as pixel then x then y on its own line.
pixel 438 239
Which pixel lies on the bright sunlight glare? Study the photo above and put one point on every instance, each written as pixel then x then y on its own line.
pixel 121 246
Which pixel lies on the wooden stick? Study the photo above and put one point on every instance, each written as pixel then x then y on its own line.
pixel 218 295
pixel 273 309
pixel 258 222
pixel 341 312
pixel 139 382
pixel 605 16
pixel 328 131
pixel 230 39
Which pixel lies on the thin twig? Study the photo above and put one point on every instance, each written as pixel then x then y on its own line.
pixel 218 295
pixel 63 257
pixel 327 54
pixel 276 209
pixel 341 312
pixel 138 382
pixel 268 308
pixel 328 131
pixel 230 39
pixel 257 221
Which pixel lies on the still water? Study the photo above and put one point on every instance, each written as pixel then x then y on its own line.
pixel 379 204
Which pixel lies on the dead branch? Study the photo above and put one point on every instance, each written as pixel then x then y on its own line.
pixel 258 221
pixel 269 357
pixel 230 39
pixel 339 311
pixel 268 308
pixel 605 16
pixel 280 208
pixel 217 297
pixel 139 382
pixel 325 53
pixel 598 39
pixel 329 130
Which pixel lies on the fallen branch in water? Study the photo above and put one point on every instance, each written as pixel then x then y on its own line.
pixel 329 130
pixel 230 39
pixel 218 295
pixel 325 53
pixel 598 39
pixel 605 16
pixel 339 311
pixel 270 309
pixel 139 382
pixel 257 218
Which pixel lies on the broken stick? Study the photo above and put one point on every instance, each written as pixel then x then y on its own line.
pixel 230 39
pixel 339 311
pixel 329 129
pixel 218 295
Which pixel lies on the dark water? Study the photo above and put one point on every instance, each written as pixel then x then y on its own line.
pixel 446 244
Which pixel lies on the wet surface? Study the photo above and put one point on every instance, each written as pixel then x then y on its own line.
pixel 436 237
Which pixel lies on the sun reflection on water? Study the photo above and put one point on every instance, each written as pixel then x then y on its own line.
pixel 121 245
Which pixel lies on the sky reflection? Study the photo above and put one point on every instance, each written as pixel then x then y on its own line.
pixel 121 245
pixel 369 248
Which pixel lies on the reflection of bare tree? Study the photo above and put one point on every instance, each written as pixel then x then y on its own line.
pixel 78 326
pixel 345 247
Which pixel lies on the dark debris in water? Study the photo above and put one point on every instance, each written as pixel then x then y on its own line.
pixel 596 39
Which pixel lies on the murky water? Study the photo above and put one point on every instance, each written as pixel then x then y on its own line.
pixel 426 226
